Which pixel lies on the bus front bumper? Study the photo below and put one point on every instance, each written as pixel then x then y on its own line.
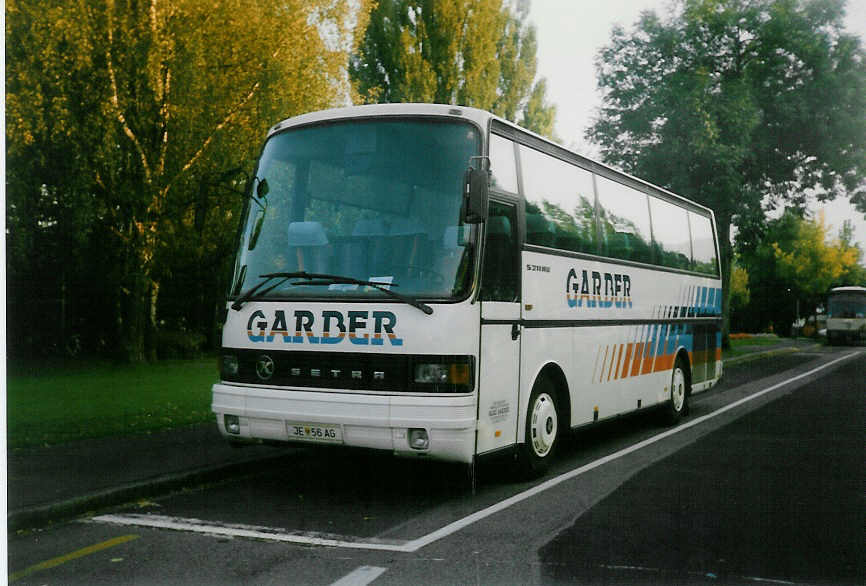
pixel 382 422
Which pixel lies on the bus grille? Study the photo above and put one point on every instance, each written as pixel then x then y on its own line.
pixel 345 371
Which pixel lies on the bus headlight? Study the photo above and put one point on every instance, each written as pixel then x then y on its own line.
pixel 229 366
pixel 443 373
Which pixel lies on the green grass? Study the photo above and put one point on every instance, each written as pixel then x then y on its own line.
pixel 58 404
pixel 763 340
pixel 741 346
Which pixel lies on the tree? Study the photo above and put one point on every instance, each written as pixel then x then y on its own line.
pixel 478 53
pixel 735 102
pixel 792 267
pixel 852 274
pixel 152 102
pixel 812 264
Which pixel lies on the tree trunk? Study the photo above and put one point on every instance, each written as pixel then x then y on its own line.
pixel 138 304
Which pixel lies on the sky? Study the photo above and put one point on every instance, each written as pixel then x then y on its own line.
pixel 570 33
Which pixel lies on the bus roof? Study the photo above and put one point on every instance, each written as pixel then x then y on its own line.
pixel 848 289
pixel 480 118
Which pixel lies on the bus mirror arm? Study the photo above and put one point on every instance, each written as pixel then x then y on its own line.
pixel 475 196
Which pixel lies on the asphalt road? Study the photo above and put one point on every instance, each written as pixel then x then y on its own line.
pixel 777 494
pixel 763 482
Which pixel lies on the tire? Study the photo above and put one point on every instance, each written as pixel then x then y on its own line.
pixel 681 388
pixel 542 430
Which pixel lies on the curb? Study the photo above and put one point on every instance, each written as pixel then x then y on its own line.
pixel 41 515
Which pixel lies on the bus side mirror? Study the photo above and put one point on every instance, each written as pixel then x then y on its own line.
pixel 262 189
pixel 475 196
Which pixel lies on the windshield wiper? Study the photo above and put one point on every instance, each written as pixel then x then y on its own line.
pixel 320 279
pixel 253 291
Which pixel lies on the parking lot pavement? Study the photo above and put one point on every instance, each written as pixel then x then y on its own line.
pixel 774 496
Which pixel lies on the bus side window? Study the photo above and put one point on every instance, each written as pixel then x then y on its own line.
pixel 502 164
pixel 672 247
pixel 561 195
pixel 499 279
pixel 703 245
pixel 625 221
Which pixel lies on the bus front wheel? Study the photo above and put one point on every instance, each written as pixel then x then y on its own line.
pixel 542 430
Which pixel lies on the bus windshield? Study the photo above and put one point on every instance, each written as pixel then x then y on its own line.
pixel 847 305
pixel 376 201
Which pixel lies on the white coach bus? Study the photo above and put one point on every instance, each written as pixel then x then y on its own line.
pixel 435 281
pixel 846 315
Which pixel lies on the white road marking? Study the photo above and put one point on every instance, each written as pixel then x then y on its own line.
pixel 252 532
pixel 414 545
pixel 360 576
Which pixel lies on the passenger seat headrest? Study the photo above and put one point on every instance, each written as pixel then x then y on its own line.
pixel 307 234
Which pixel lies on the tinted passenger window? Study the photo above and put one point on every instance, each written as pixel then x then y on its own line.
pixel 500 276
pixel 560 203
pixel 703 245
pixel 624 221
pixel 670 234
pixel 502 164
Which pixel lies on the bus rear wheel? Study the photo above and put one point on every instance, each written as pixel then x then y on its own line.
pixel 679 393
pixel 542 430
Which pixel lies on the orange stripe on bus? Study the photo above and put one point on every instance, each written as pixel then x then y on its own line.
pixel 618 362
pixel 638 354
pixel 628 350
pixel 649 353
pixel 612 360
pixel 664 362
pixel 603 364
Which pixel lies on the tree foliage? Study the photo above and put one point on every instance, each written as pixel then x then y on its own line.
pixel 477 53
pixel 740 295
pixel 130 115
pixel 813 263
pixel 736 102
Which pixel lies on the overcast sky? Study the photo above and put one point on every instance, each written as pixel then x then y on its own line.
pixel 570 33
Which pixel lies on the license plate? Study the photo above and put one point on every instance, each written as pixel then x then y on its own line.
pixel 315 432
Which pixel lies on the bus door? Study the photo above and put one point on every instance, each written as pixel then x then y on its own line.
pixel 500 330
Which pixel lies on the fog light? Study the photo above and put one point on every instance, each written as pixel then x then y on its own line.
pixel 418 439
pixel 233 424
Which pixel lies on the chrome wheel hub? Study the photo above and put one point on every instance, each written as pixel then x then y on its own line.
pixel 543 425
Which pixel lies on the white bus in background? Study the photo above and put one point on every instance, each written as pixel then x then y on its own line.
pixel 437 282
pixel 846 315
